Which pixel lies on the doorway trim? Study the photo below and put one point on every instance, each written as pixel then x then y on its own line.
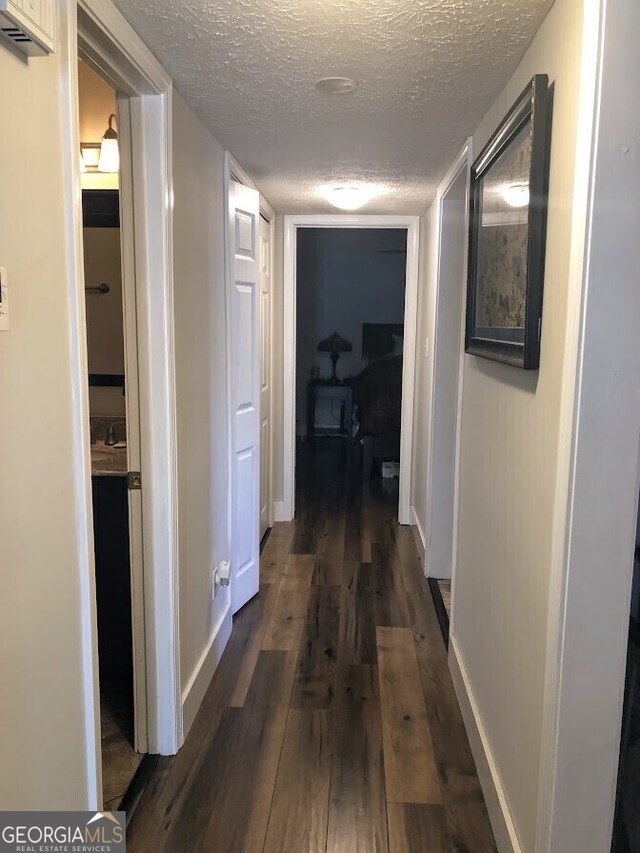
pixel 598 478
pixel 112 47
pixel 411 224
pixel 461 165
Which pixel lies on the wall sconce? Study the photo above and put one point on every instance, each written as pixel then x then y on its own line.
pixel 101 156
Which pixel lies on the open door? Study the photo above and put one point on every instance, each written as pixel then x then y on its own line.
pixel 244 391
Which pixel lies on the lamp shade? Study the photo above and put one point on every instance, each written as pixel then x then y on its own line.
pixel 109 152
pixel 334 343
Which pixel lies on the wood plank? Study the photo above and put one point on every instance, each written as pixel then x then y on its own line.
pixel 330 551
pixel 390 598
pixel 421 611
pixel 357 625
pixel 290 608
pixel 226 809
pixel 315 683
pixel 414 826
pixel 357 808
pixel 465 809
pixel 357 544
pixel 411 775
pixel 300 808
pixel 163 800
pixel 381 519
pixel 309 527
pixel 275 552
pixel 251 651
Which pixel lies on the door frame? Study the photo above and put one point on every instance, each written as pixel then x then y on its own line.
pixel 111 45
pixel 410 224
pixel 270 220
pixel 461 165
pixel 234 171
pixel 598 477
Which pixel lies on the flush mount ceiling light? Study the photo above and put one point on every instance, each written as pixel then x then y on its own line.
pixel 350 196
pixel 516 194
pixel 336 85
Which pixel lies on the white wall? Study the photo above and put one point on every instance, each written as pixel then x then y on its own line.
pixel 45 764
pixel 422 395
pixel 510 434
pixel 105 333
pixel 346 277
pixel 44 758
pixel 198 175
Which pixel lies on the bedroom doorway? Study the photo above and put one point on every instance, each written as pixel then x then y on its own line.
pixel 350 309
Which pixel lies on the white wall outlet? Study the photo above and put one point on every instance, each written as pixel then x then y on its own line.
pixel 224 573
pixel 220 576
pixel 4 301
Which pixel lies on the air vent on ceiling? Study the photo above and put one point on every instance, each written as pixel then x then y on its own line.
pixel 29 25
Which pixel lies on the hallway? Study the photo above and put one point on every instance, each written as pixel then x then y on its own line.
pixel 331 723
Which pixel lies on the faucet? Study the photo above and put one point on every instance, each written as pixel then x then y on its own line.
pixel 110 440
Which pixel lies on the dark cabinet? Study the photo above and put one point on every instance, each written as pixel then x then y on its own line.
pixel 113 579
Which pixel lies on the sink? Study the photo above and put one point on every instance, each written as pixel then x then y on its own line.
pixel 108 461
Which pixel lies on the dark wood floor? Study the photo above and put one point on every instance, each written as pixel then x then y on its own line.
pixel 331 725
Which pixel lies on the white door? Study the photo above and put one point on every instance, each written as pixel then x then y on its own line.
pixel 265 376
pixel 244 350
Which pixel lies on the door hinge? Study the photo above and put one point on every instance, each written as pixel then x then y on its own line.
pixel 134 481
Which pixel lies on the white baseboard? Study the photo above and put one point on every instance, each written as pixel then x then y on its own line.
pixel 194 692
pixel 418 533
pixel 494 795
pixel 278 511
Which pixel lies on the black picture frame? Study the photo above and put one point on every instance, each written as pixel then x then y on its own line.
pixel 527 123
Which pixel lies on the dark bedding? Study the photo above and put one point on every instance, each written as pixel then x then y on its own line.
pixel 377 392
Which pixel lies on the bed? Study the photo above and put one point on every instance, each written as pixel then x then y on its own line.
pixel 377 393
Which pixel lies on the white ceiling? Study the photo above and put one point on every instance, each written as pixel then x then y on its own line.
pixel 427 72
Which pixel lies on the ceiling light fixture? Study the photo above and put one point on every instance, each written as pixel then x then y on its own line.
pixel 516 194
pixel 336 85
pixel 350 196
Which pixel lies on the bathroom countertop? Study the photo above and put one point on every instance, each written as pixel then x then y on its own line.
pixel 108 461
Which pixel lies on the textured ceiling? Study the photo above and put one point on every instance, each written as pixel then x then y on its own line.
pixel 427 71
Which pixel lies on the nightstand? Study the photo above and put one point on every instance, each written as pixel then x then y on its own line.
pixel 329 408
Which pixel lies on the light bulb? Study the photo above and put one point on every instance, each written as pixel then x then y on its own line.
pixel 516 194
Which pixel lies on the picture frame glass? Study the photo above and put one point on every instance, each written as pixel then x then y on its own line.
pixel 502 243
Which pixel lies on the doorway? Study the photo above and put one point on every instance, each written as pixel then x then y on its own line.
pixel 103 40
pixel 446 372
pixel 294 372
pixel 115 441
